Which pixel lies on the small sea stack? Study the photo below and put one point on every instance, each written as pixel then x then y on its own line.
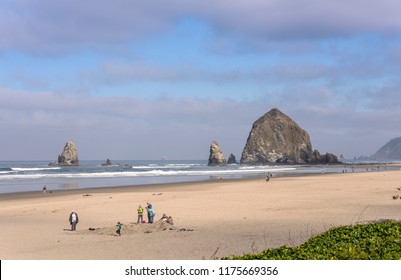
pixel 232 160
pixel 108 162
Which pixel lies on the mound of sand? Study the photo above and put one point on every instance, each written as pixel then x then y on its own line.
pixel 134 228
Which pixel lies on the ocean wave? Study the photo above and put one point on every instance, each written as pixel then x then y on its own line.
pixel 265 167
pixel 16 176
pixel 22 169
pixel 6 172
pixel 153 172
pixel 5 169
pixel 167 166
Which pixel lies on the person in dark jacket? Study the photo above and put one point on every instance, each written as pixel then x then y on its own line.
pixel 73 220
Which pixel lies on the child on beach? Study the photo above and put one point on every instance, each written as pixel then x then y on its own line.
pixel 140 214
pixel 119 226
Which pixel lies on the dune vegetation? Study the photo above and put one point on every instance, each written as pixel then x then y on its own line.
pixel 373 241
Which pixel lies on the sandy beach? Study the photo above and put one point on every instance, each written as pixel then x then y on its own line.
pixel 211 219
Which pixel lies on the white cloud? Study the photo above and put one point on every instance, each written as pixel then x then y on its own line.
pixel 281 53
pixel 51 26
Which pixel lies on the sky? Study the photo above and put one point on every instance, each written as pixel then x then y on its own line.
pixel 128 79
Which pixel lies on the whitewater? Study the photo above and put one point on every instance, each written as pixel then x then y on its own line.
pixel 23 176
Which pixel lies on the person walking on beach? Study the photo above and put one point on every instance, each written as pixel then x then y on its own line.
pixel 119 226
pixel 140 214
pixel 151 213
pixel 73 220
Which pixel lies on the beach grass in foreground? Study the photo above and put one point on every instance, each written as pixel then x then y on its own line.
pixel 373 241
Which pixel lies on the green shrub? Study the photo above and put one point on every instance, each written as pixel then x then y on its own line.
pixel 374 241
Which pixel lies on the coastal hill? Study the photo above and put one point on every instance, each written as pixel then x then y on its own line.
pixel 276 138
pixel 390 151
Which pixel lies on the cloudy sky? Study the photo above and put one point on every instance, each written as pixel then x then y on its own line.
pixel 129 79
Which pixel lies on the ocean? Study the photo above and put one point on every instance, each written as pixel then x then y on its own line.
pixel 24 176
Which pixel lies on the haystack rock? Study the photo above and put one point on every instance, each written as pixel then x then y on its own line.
pixel 69 156
pixel 276 138
pixel 216 156
pixel 232 159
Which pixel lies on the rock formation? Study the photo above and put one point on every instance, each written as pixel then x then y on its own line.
pixel 328 158
pixel 69 156
pixel 216 156
pixel 276 138
pixel 232 159
pixel 108 162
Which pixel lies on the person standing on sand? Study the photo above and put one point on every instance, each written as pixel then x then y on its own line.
pixel 151 214
pixel 140 214
pixel 119 226
pixel 73 220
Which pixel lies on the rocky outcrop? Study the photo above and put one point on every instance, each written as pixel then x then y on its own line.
pixel 69 156
pixel 276 138
pixel 108 162
pixel 216 156
pixel 328 158
pixel 232 160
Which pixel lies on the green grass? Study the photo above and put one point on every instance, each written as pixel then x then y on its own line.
pixel 374 241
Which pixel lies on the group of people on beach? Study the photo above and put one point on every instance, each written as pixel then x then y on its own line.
pixel 140 210
pixel 73 218
pixel 150 212
pixel 44 189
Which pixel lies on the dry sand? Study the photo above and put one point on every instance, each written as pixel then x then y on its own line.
pixel 211 219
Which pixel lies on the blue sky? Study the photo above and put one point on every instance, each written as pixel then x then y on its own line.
pixel 139 80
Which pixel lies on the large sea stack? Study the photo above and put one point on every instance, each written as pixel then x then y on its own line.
pixel 69 156
pixel 216 156
pixel 276 138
